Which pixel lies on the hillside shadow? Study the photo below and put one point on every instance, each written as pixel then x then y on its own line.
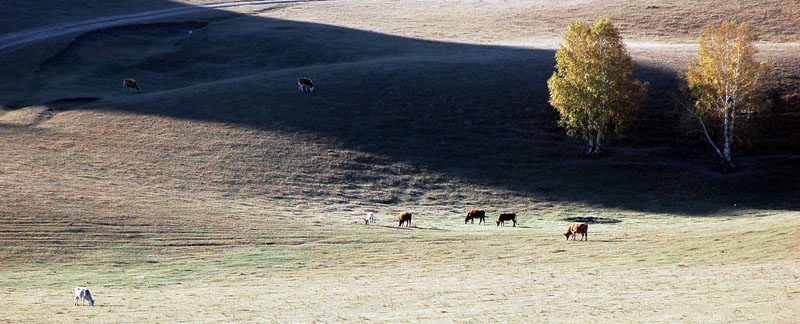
pixel 472 112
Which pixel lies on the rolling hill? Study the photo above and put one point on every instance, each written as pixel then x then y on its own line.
pixel 221 177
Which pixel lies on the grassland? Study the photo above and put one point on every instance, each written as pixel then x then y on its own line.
pixel 22 15
pixel 220 193
pixel 660 269
pixel 510 22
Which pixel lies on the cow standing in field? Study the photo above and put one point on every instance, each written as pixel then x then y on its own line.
pixel 475 213
pixel 83 294
pixel 129 84
pixel 404 217
pixel 305 84
pixel 507 216
pixel 369 219
pixel 575 229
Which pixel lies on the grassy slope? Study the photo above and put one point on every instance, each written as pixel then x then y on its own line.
pixel 21 14
pixel 524 22
pixel 223 178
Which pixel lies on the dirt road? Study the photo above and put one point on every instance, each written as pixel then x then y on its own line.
pixel 16 39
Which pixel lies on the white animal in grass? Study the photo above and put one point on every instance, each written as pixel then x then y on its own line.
pixel 305 84
pixel 83 294
pixel 369 219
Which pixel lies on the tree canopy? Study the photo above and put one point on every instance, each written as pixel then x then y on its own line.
pixel 593 88
pixel 725 80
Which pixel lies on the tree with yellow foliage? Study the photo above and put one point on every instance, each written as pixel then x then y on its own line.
pixel 592 87
pixel 724 81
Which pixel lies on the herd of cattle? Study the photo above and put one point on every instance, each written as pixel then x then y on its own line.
pixel 83 294
pixel 305 84
pixel 573 230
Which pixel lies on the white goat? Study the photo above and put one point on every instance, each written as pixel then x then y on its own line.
pixel 83 294
pixel 369 219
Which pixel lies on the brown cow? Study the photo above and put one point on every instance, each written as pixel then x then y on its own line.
pixel 575 229
pixel 507 216
pixel 304 84
pixel 404 217
pixel 129 83
pixel 475 213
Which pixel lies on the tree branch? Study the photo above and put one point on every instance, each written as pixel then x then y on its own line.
pixel 705 130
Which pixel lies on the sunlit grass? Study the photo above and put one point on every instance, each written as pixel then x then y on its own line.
pixel 221 194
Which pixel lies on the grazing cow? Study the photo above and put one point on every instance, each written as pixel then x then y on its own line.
pixel 83 294
pixel 507 216
pixel 575 229
pixel 304 84
pixel 404 217
pixel 129 83
pixel 369 219
pixel 475 213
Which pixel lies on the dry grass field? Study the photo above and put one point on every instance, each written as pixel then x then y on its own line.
pixel 514 22
pixel 220 193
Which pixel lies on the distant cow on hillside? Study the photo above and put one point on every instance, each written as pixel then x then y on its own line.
pixel 475 213
pixel 83 294
pixel 404 217
pixel 575 229
pixel 129 84
pixel 507 216
pixel 304 84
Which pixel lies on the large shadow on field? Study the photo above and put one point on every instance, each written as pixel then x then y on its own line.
pixel 472 112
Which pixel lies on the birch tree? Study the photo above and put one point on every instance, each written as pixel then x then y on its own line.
pixel 724 82
pixel 593 88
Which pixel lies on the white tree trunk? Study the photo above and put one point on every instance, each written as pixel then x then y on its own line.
pixel 726 147
pixel 597 144
pixel 594 145
pixel 728 136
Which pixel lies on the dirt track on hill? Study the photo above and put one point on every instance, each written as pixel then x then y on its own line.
pixel 23 37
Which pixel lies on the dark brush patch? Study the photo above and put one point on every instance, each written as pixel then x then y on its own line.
pixel 592 220
pixel 74 100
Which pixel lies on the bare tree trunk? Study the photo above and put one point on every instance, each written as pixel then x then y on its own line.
pixel 594 149
pixel 728 134
pixel 726 147
pixel 597 143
